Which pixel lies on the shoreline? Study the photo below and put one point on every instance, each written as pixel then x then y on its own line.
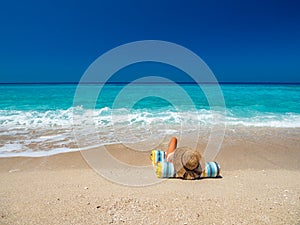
pixel 285 138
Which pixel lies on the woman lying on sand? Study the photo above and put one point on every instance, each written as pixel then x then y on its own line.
pixel 188 164
pixel 182 162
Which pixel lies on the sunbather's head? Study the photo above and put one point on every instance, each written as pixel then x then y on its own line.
pixel 187 163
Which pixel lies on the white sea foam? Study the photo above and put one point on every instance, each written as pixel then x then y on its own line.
pixel 15 121
pixel 42 133
pixel 288 120
pixel 9 148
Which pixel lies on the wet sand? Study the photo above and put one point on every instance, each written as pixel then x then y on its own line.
pixel 260 184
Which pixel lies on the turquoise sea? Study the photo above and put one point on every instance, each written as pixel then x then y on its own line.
pixel 38 119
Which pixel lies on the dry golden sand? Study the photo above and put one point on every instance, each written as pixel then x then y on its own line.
pixel 260 185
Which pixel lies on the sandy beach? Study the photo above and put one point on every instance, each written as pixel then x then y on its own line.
pixel 260 184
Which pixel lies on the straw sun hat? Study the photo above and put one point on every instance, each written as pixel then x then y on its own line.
pixel 187 163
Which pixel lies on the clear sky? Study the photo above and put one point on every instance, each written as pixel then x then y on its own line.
pixel 55 41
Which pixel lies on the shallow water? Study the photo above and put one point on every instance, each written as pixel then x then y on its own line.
pixel 37 120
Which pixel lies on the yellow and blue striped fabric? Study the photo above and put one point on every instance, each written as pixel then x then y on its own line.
pixel 157 156
pixel 212 169
pixel 166 169
pixel 162 168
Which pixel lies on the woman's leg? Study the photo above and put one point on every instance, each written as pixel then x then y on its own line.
pixel 171 148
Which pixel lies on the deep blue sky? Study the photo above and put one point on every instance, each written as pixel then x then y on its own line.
pixel 55 41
